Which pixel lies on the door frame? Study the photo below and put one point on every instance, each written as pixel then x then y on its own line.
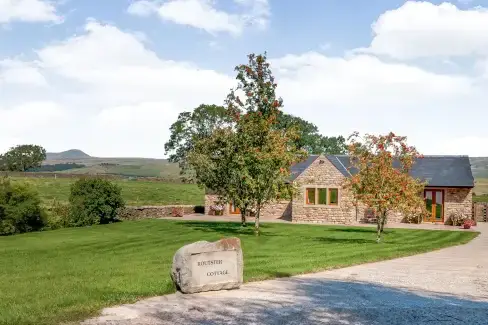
pixel 232 211
pixel 432 215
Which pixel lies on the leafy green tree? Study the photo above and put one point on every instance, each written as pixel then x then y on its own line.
pixel 249 163
pixel 23 157
pixel 94 201
pixel 199 124
pixel 189 128
pixel 3 163
pixel 215 160
pixel 309 137
pixel 20 208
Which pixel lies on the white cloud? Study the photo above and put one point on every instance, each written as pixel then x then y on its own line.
pixel 28 11
pixel 423 29
pixel 142 8
pixel 363 93
pixel 19 72
pixel 110 84
pixel 203 14
pixel 109 95
pixel 29 122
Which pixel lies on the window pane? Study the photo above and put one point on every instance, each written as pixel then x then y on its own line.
pixel 322 196
pixel 428 200
pixel 333 195
pixel 310 192
pixel 438 205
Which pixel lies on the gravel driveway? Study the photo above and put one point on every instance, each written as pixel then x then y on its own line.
pixel 449 286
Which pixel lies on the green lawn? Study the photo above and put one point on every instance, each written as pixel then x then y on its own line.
pixel 134 192
pixel 69 274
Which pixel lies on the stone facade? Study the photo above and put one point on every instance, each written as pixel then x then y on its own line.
pixel 321 173
pixel 275 210
pixel 458 201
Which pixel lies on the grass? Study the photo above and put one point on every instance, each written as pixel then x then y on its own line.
pixel 123 166
pixel 134 192
pixel 69 274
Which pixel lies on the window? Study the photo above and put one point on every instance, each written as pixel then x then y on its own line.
pixel 310 196
pixel 334 196
pixel 321 196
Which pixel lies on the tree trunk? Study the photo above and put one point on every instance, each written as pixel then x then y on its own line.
pixel 256 222
pixel 243 218
pixel 378 230
pixel 380 226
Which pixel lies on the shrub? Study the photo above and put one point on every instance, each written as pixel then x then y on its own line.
pixel 413 218
pixel 217 210
pixel 58 215
pixel 20 208
pixel 468 223
pixel 456 219
pixel 94 201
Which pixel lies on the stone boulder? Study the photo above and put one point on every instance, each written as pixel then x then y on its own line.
pixel 207 266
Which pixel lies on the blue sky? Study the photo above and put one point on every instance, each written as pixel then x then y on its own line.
pixel 109 77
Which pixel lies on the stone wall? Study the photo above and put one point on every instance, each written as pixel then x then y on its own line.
pixel 366 215
pixel 458 201
pixel 211 199
pixel 154 212
pixel 323 174
pixel 277 210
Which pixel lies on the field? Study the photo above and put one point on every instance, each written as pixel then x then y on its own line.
pixel 140 192
pixel 69 274
pixel 134 192
pixel 139 167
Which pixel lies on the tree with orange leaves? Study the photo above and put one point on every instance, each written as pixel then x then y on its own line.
pixel 380 168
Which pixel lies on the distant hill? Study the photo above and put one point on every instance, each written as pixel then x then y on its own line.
pixel 68 154
pixel 75 161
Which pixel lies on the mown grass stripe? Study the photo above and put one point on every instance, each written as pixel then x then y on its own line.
pixel 69 274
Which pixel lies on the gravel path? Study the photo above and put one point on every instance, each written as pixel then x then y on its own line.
pixel 449 286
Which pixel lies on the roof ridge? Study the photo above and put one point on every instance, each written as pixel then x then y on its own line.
pixel 430 156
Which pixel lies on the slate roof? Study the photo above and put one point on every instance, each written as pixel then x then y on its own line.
pixel 300 167
pixel 438 171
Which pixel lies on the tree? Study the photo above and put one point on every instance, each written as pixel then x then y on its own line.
pixel 382 180
pixel 94 201
pixel 199 124
pixel 309 137
pixel 188 129
pixel 215 160
pixel 20 208
pixel 249 163
pixel 23 157
pixel 3 163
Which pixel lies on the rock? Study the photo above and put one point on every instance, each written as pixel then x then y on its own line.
pixel 207 266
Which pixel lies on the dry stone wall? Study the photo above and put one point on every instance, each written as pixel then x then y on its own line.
pixel 154 212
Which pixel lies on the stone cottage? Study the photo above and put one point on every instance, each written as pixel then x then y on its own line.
pixel 321 197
